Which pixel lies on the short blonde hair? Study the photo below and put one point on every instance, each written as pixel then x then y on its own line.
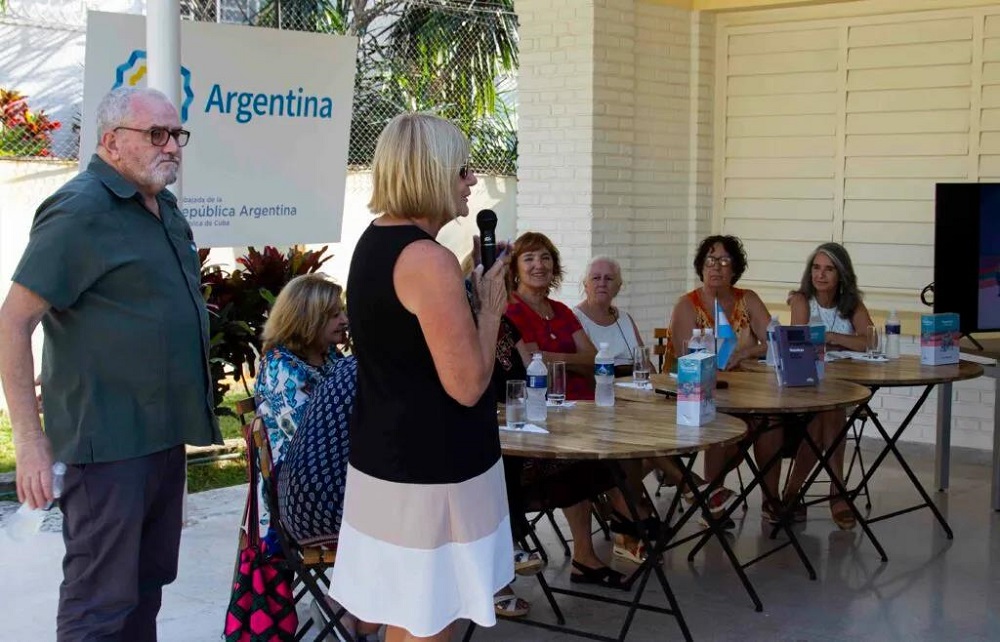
pixel 301 311
pixel 415 166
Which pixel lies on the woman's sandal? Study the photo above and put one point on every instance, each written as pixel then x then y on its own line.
pixel 719 501
pixel 629 548
pixel 510 605
pixel 843 517
pixel 622 525
pixel 603 576
pixel 527 564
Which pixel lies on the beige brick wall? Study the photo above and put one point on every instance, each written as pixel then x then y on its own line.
pixel 615 120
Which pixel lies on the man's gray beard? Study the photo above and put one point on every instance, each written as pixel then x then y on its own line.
pixel 163 178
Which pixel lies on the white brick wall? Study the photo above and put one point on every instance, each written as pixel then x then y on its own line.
pixel 615 125
pixel 555 125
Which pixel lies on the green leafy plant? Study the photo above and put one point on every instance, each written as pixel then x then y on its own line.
pixel 23 132
pixel 238 303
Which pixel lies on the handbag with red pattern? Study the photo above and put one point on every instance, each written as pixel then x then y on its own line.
pixel 262 607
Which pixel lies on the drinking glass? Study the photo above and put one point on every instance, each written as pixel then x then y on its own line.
pixel 557 383
pixel 640 366
pixel 874 341
pixel 515 407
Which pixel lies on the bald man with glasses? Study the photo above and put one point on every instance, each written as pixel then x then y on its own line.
pixel 112 274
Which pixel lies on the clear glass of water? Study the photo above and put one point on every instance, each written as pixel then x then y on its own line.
pixel 874 341
pixel 557 383
pixel 515 407
pixel 640 366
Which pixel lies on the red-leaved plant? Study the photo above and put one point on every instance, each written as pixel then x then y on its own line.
pixel 23 132
pixel 238 302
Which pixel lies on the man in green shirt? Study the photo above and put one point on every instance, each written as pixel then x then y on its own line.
pixel 112 274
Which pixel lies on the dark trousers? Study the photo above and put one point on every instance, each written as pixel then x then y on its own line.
pixel 122 529
pixel 519 525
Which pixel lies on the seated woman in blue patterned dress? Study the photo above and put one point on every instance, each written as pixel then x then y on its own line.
pixel 305 324
pixel 305 392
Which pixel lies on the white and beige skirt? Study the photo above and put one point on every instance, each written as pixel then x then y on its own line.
pixel 421 556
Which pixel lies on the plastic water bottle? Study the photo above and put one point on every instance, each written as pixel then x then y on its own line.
pixel 26 522
pixel 695 344
pixel 538 384
pixel 892 332
pixel 817 336
pixel 708 341
pixel 604 377
pixel 772 341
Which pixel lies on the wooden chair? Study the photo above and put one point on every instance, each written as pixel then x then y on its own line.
pixel 306 564
pixel 662 347
pixel 246 410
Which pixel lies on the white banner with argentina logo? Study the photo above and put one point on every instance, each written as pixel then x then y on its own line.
pixel 269 114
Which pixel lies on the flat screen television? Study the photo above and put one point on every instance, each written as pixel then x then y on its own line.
pixel 967 254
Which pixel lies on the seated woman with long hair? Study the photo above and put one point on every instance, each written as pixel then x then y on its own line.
pixel 829 291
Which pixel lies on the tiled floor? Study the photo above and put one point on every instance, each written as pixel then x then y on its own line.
pixel 930 589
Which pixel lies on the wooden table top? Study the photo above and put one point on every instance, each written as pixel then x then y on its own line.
pixel 750 393
pixel 625 431
pixel 905 371
pixel 991 348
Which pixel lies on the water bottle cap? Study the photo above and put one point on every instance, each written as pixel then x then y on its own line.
pixel 602 345
pixel 58 468
pixel 536 356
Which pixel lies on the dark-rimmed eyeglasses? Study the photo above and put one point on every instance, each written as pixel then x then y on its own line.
pixel 463 172
pixel 159 136
pixel 723 261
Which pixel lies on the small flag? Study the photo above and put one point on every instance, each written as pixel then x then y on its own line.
pixel 725 337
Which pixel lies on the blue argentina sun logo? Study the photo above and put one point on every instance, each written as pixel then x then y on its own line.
pixel 133 71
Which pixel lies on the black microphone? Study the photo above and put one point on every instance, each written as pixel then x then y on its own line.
pixel 487 222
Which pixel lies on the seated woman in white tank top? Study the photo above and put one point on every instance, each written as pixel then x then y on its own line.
pixel 601 320
pixel 604 323
pixel 829 289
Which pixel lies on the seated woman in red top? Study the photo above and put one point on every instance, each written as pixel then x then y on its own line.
pixel 545 325
pixel 551 328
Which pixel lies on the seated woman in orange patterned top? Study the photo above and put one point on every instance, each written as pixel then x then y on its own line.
pixel 719 263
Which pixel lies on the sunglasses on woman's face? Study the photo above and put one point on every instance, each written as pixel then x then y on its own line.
pixel 463 172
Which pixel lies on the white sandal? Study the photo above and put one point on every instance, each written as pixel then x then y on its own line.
pixel 509 604
pixel 527 564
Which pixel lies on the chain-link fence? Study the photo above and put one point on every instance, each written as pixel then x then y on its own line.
pixel 456 58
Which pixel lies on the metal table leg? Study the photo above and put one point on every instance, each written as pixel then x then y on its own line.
pixel 994 371
pixel 823 459
pixel 942 449
pixel 890 447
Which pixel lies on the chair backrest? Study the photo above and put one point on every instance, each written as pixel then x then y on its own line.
pixel 246 409
pixel 310 555
pixel 662 347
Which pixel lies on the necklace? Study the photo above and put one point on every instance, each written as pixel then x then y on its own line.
pixel 618 324
pixel 547 318
pixel 828 316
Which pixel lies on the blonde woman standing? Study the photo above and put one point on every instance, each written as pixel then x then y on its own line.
pixel 425 538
